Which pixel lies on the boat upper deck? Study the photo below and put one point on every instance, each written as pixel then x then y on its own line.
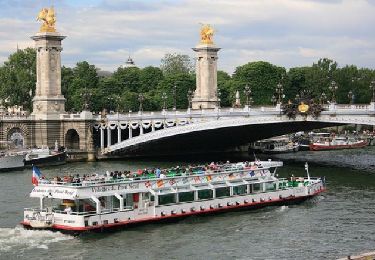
pixel 175 178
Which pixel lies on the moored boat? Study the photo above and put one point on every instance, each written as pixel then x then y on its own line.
pixel 11 161
pixel 274 145
pixel 100 202
pixel 44 156
pixel 335 143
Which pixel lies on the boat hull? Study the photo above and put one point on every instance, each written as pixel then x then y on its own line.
pixel 13 162
pixel 319 147
pixel 291 200
pixel 54 159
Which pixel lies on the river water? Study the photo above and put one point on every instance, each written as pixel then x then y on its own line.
pixel 335 224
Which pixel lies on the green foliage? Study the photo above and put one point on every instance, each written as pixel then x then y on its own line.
pixel 82 80
pixel 121 89
pixel 176 64
pixel 18 77
pixel 261 76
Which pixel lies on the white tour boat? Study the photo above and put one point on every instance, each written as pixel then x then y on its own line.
pixel 100 202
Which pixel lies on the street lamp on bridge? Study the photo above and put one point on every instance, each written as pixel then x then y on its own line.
pixel 280 93
pixel 372 87
pixel 351 97
pixel 273 99
pixel 333 87
pixel 190 97
pixel 323 98
pixel 175 97
pixel 86 96
pixel 164 98
pixel 247 92
pixel 141 98
pixel 218 94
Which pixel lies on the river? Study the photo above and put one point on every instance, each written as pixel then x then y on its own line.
pixel 335 224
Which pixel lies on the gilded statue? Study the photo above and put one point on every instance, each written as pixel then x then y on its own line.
pixel 47 16
pixel 207 33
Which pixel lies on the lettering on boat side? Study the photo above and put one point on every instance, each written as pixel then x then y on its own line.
pixel 115 187
pixel 53 191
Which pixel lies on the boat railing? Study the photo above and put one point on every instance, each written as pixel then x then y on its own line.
pixel 100 180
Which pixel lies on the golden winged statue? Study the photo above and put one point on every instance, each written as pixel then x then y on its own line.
pixel 47 16
pixel 207 33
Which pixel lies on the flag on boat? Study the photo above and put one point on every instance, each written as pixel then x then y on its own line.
pixel 160 183
pixel 37 175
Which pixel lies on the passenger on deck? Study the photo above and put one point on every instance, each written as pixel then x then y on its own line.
pixel 157 172
pixel 68 210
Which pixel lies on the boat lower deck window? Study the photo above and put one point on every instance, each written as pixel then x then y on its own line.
pixel 270 186
pixel 239 190
pixel 186 196
pixel 205 194
pixel 222 192
pixel 167 199
pixel 256 187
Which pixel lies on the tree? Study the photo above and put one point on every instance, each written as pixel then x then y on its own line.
pixel 320 76
pixel 261 76
pixel 224 88
pixel 127 79
pixel 149 78
pixel 175 64
pixel 85 78
pixel 183 83
pixel 18 77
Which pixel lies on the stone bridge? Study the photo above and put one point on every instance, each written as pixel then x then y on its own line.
pixel 169 132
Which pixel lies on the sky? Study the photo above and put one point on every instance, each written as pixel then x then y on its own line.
pixel 287 33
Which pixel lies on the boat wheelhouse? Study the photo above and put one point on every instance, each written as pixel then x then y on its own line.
pixel 99 202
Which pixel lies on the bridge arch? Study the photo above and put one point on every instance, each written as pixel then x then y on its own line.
pixel 16 133
pixel 72 139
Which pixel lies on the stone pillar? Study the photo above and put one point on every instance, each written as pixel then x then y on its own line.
pixel 109 135
pixel 48 102
pixel 119 133
pixel 101 138
pixel 205 95
pixel 130 131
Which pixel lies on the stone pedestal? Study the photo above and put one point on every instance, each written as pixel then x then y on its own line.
pixel 48 102
pixel 205 95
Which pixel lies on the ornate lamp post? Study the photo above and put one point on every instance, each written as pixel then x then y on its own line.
pixel 297 98
pixel 280 93
pixel 350 96
pixel 323 98
pixel 372 87
pixel 273 99
pixel 190 97
pixel 86 96
pixel 141 98
pixel 247 92
pixel 333 87
pixel 110 102
pixel 218 94
pixel 175 97
pixel 164 98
